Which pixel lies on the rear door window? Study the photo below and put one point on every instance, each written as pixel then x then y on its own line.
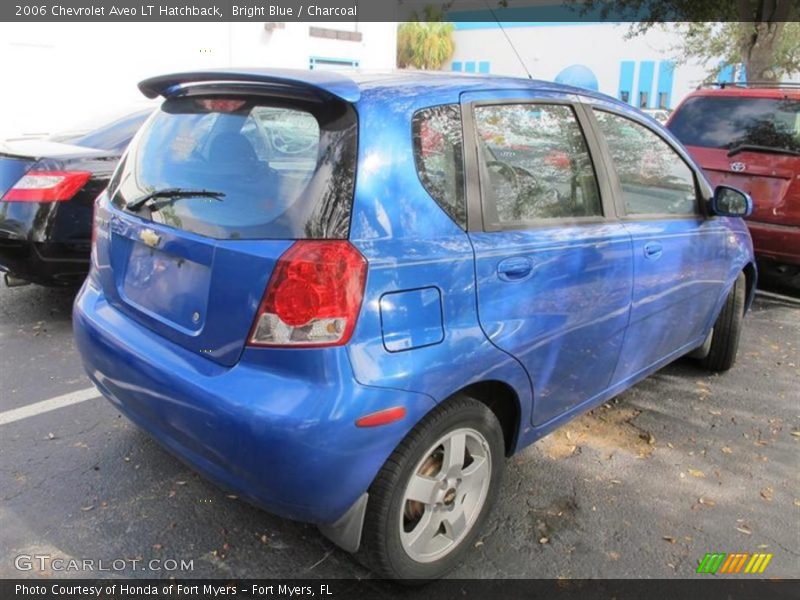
pixel 655 180
pixel 535 164
pixel 261 169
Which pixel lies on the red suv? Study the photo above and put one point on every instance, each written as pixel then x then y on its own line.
pixel 749 138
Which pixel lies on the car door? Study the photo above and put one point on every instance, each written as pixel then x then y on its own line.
pixel 679 255
pixel 553 264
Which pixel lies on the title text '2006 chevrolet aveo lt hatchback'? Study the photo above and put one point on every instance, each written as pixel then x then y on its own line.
pixel 348 300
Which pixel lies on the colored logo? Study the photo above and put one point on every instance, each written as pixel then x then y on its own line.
pixel 740 562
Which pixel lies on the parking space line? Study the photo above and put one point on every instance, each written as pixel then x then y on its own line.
pixel 44 406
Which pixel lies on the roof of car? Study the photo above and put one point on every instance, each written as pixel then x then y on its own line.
pixel 350 87
pixel 752 91
pixel 433 80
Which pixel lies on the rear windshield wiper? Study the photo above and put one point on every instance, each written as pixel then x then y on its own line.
pixel 173 194
pixel 756 148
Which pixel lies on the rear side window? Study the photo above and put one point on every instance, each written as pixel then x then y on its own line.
pixel 262 169
pixel 439 158
pixel 655 179
pixel 536 164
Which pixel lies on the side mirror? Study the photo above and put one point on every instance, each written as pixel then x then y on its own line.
pixel 730 202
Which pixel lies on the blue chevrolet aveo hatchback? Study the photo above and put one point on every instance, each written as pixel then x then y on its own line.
pixel 348 300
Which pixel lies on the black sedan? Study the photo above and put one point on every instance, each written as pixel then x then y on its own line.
pixel 47 192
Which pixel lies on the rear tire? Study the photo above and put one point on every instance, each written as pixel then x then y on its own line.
pixel 727 329
pixel 405 538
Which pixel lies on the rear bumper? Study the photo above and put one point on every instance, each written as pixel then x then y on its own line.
pixel 281 436
pixel 47 243
pixel 780 243
pixel 45 263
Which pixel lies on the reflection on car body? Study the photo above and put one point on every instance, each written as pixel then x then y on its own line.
pixel 359 340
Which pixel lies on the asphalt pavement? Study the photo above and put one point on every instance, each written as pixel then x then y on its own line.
pixel 683 464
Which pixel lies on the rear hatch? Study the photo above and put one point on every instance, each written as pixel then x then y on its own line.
pixel 749 143
pixel 233 177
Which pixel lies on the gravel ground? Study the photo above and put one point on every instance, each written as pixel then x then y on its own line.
pixel 682 464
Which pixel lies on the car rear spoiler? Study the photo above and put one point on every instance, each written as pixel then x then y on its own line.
pixel 319 83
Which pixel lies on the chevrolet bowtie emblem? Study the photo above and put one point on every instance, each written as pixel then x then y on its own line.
pixel 149 237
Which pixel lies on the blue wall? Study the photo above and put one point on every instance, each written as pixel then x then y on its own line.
pixel 469 66
pixel 726 73
pixel 732 73
pixel 666 73
pixel 626 69
pixel 646 70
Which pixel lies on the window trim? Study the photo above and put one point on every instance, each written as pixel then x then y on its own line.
pixel 701 209
pixel 477 217
pixel 317 62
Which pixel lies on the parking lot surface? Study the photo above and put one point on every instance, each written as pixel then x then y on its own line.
pixel 683 464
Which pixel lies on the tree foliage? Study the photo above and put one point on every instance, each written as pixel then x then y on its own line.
pixel 424 45
pixel 715 45
pixel 760 34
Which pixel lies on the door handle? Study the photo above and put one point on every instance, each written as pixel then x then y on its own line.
pixel 515 269
pixel 653 250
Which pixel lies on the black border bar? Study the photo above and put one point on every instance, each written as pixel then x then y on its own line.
pixel 707 587
pixel 561 11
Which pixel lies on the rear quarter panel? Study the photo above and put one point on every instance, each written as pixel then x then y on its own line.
pixel 411 244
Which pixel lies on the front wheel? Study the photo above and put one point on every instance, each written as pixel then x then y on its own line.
pixel 432 496
pixel 727 329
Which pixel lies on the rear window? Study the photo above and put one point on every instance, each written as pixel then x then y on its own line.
pixel 727 122
pixel 262 169
pixel 111 136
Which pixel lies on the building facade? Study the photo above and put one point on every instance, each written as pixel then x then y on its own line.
pixel 597 56
pixel 67 74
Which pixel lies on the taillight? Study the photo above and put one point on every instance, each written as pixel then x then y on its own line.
pixel 96 223
pixel 221 104
pixel 47 186
pixel 313 296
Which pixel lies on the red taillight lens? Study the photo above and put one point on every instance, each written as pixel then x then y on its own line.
pixel 313 296
pixel 382 417
pixel 221 105
pixel 47 186
pixel 96 221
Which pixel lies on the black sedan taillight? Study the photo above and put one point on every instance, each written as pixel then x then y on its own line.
pixel 47 186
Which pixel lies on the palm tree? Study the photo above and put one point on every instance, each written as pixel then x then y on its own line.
pixel 424 45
